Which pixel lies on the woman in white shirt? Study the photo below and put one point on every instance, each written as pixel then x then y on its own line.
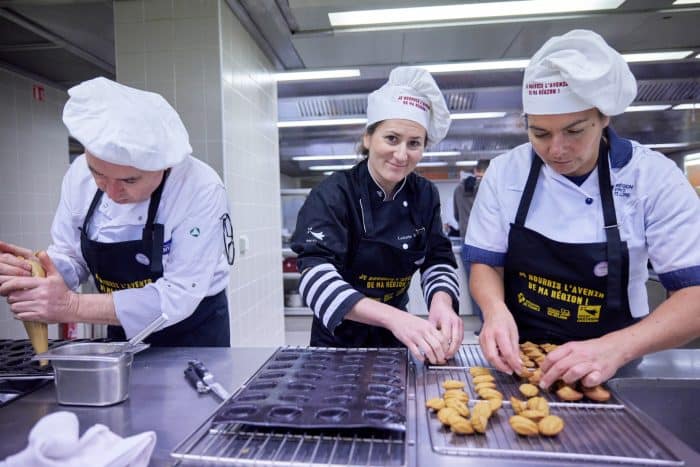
pixel 139 214
pixel 563 226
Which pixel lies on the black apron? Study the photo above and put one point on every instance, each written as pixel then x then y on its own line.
pixel 560 292
pixel 378 269
pixel 120 265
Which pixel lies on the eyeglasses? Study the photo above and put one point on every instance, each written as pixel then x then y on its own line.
pixel 228 238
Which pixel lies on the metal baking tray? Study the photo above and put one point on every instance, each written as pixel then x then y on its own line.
pixel 316 388
pixel 470 356
pixel 243 444
pixel 607 432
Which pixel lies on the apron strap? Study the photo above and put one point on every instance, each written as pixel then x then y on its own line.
pixel 612 232
pixel 153 234
pixel 529 191
pixel 95 201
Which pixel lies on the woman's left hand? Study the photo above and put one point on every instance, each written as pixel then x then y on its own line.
pixel 593 362
pixel 41 299
pixel 443 317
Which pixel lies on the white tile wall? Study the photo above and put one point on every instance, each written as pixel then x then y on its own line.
pixel 199 57
pixel 33 159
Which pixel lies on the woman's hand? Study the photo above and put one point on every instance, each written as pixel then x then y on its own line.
pixel 499 341
pixel 593 362
pixel 12 266
pixel 420 336
pixel 41 299
pixel 450 325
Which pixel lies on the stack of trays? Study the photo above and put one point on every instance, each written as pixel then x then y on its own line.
pixel 324 388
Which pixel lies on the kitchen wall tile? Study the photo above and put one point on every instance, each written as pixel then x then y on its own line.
pixel 128 37
pixel 31 133
pixel 157 9
pixel 160 65
pixel 158 35
pixel 197 8
pixel 128 12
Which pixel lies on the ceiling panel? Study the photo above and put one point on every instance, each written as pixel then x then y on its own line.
pixel 326 50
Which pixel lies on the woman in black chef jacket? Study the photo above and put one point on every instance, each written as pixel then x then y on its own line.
pixel 362 233
pixel 139 214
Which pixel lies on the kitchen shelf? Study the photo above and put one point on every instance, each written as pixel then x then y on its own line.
pixel 298 311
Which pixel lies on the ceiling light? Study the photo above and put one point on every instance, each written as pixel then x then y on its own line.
pixel 330 172
pixel 465 11
pixel 693 157
pixel 325 158
pixel 686 2
pixel 323 168
pixel 325 122
pixel 690 106
pixel 432 164
pixel 318 74
pixel 475 115
pixel 467 163
pixel 477 66
pixel 442 153
pixel 647 108
pixel 666 145
pixel 656 56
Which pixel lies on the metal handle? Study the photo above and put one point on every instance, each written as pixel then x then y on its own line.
pixel 145 332
pixel 201 370
pixel 194 380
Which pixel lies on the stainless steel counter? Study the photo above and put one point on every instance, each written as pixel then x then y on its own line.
pixel 161 400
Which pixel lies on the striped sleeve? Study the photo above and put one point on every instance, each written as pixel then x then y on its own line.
pixel 440 277
pixel 327 294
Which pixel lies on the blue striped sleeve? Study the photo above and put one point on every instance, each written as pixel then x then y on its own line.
pixel 329 296
pixel 440 277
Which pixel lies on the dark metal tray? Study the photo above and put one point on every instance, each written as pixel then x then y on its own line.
pixel 316 388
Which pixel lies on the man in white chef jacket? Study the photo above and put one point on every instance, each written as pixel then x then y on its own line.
pixel 139 214
pixel 563 226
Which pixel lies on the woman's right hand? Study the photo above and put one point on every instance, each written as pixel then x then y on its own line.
pixel 499 341
pixel 421 337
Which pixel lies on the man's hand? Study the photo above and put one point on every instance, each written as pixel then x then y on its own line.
pixel 499 341
pixel 12 266
pixel 593 362
pixel 41 299
pixel 450 325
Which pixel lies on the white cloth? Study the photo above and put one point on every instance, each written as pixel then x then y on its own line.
pixel 194 262
pixel 126 126
pixel 411 94
pixel 575 72
pixel 54 442
pixel 657 211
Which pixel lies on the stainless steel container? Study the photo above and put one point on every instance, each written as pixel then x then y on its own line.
pixel 91 373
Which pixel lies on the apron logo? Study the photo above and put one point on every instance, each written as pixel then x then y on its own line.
pixel 317 235
pixel 143 259
pixel 622 190
pixel 588 314
pixel 601 269
pixel 195 232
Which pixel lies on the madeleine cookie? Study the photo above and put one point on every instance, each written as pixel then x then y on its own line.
pixel 453 384
pixel 483 379
pixel 462 427
pixel 597 393
pixel 523 426
pixel 459 406
pixel 517 404
pixel 528 390
pixel 436 403
pixel 444 415
pixel 568 394
pixel 550 425
pixel 479 370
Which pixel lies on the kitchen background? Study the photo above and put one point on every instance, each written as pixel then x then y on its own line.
pixel 219 63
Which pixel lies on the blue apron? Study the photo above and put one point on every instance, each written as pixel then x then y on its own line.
pixel 560 292
pixel 116 266
pixel 378 269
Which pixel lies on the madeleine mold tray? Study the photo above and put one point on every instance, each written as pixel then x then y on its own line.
pixel 314 388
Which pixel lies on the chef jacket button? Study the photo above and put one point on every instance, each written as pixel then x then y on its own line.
pixel 589 200
pixel 405 246
pixel 140 217
pixel 405 204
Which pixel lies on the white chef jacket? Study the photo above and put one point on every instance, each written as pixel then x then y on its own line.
pixel 658 213
pixel 194 263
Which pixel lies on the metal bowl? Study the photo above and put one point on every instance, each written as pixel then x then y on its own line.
pixel 91 373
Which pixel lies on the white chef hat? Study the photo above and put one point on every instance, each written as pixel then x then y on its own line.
pixel 575 72
pixel 411 94
pixel 126 126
